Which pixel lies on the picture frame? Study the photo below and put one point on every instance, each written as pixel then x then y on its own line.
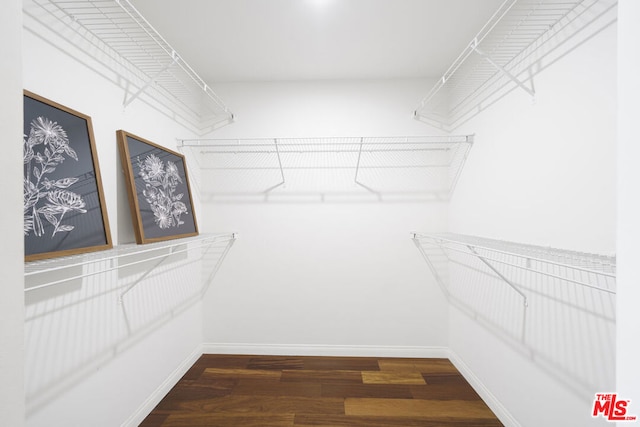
pixel 64 205
pixel 158 188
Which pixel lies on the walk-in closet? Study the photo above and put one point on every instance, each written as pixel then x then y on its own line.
pixel 320 212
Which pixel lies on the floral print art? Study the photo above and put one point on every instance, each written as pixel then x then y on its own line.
pixel 46 147
pixel 160 191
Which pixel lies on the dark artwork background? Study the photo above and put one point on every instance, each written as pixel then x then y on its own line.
pixel 139 149
pixel 89 228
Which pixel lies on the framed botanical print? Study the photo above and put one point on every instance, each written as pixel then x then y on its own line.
pixel 64 208
pixel 158 188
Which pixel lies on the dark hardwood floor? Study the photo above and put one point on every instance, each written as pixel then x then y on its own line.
pixel 271 391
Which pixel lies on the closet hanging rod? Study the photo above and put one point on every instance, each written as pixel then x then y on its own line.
pixel 321 144
pixel 273 151
pixel 323 141
pixel 276 168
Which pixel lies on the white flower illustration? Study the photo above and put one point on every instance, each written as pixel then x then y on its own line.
pixel 44 197
pixel 160 185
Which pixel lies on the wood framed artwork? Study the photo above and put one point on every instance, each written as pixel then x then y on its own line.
pixel 158 188
pixel 64 208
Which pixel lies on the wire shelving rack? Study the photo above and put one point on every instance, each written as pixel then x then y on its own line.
pixel 564 267
pixel 377 168
pixel 115 33
pixel 43 272
pixel 502 55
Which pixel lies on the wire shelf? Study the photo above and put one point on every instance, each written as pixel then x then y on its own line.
pixel 499 57
pixel 592 271
pixel 555 307
pixel 346 167
pixel 118 30
pixel 117 258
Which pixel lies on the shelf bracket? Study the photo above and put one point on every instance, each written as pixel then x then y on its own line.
pixel 214 270
pixel 268 190
pixel 434 271
pixel 355 178
pixel 500 275
pixel 474 47
pixel 160 259
pixel 174 57
pixel 440 123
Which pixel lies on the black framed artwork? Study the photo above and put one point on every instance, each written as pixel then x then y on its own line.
pixel 64 207
pixel 158 188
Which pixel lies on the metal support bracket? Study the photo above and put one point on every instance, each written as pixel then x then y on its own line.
pixel 160 260
pixel 173 250
pixel 500 275
pixel 474 47
pixel 215 269
pixel 174 60
pixel 355 178
pixel 433 269
pixel 268 190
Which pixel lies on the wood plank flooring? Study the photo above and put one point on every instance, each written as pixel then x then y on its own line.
pixel 272 391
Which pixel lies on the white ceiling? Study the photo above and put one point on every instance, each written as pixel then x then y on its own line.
pixel 284 40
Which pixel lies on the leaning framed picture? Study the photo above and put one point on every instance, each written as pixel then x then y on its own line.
pixel 158 188
pixel 64 208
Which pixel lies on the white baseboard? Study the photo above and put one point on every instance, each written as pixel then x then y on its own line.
pixel 325 350
pixel 147 406
pixel 489 398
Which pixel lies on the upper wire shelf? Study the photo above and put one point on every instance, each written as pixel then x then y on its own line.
pixel 116 258
pixel 500 57
pixel 593 271
pixel 116 28
pixel 335 168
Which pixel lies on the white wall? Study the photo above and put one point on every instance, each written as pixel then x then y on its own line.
pixel 91 359
pixel 543 173
pixel 333 277
pixel 325 275
pixel 11 253
pixel 323 108
pixel 628 372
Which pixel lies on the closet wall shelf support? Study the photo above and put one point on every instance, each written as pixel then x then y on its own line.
pixel 439 280
pixel 150 80
pixel 593 271
pixel 497 273
pixel 504 72
pixel 355 178
pixel 116 258
pixel 283 182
